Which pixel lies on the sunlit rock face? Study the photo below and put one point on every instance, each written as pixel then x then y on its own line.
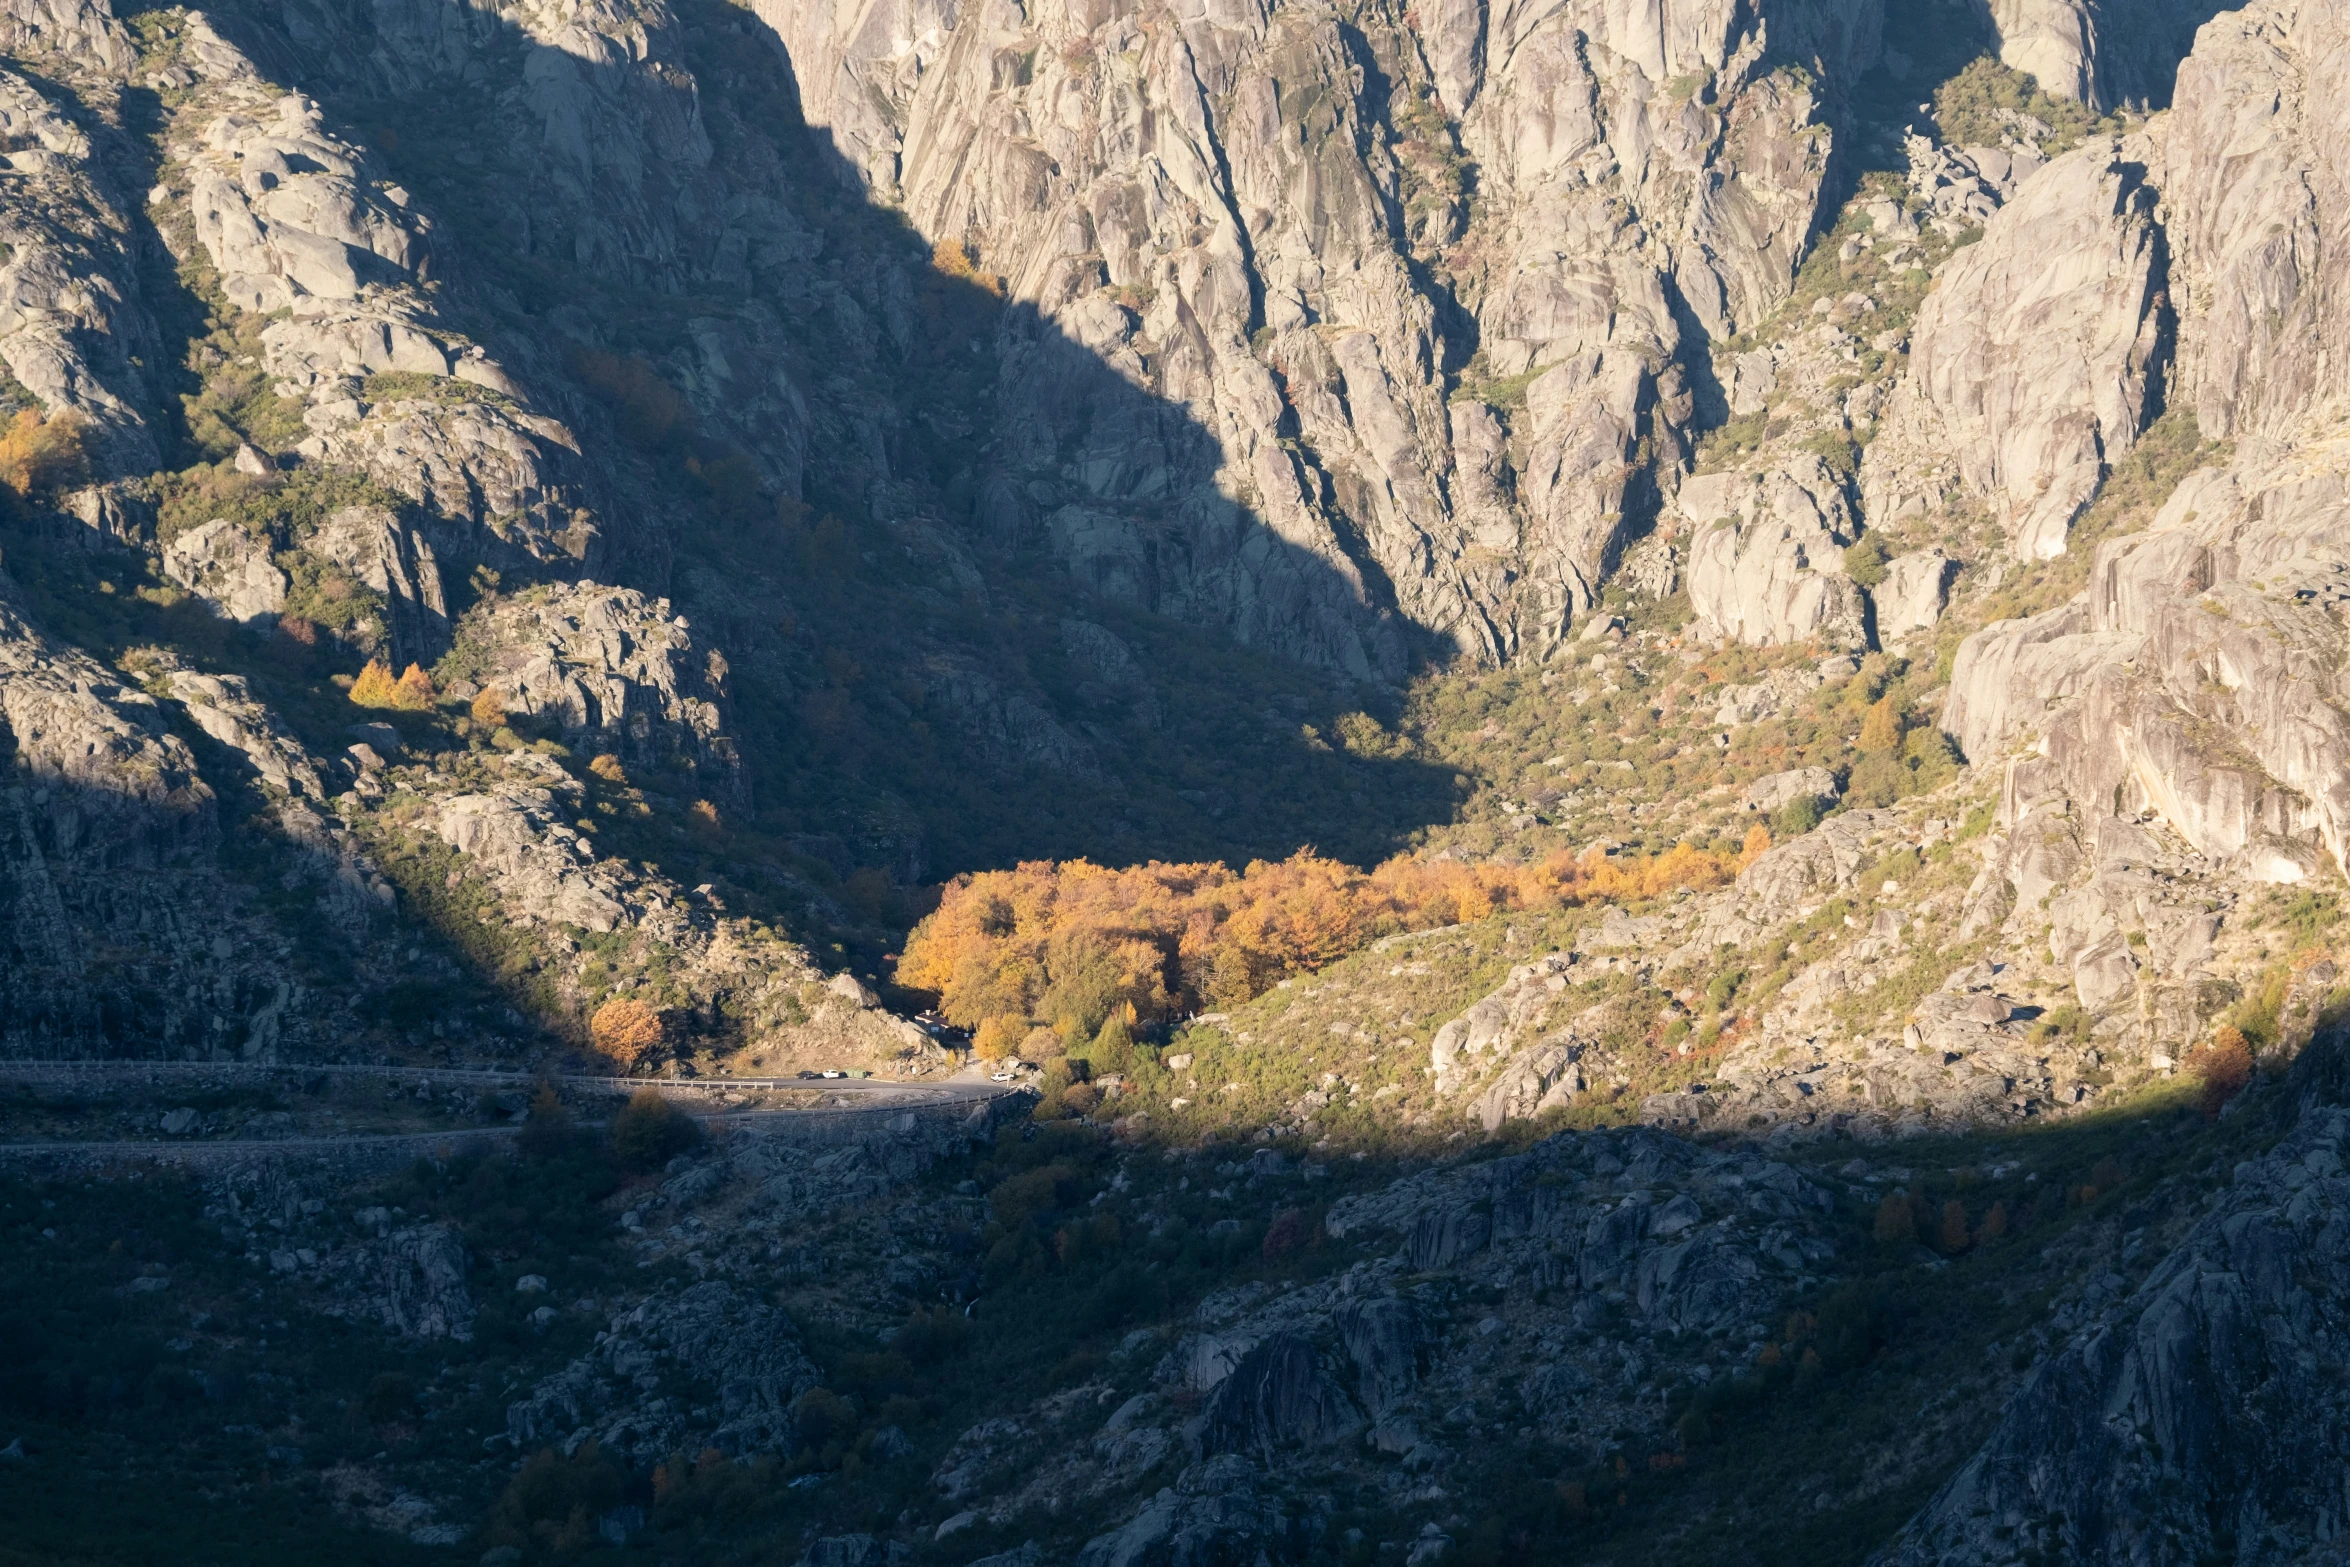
pixel 1257 216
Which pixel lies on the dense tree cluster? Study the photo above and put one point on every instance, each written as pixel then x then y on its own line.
pixel 412 692
pixel 1072 946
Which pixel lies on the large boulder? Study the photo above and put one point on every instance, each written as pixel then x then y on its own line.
pixel 1766 566
pixel 614 668
pixel 229 569
pixel 1215 1514
pixel 1277 1397
pixel 416 1279
pixel 1913 595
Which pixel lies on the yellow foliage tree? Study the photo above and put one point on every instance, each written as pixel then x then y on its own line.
pixel 488 706
pixel 624 1028
pixel 412 692
pixel 1758 844
pixel 42 456
pixel 375 686
pixel 953 258
pixel 607 767
pixel 996 1038
pixel 1880 731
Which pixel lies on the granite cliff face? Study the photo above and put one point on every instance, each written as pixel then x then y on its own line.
pixel 1404 408
pixel 2189 678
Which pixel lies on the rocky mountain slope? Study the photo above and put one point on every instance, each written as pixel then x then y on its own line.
pixel 530 534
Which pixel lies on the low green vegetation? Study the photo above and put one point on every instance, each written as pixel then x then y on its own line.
pixel 1989 104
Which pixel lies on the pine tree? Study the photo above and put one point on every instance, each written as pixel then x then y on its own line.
pixel 1113 1042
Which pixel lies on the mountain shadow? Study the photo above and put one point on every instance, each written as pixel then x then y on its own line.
pixel 938 663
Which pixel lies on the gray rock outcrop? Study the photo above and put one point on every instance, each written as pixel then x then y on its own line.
pixel 710 1333
pixel 1766 564
pixel 2034 362
pixel 378 549
pixel 74 330
pixel 1216 1511
pixel 2250 209
pixel 1773 790
pixel 229 569
pixel 612 667
pixel 2183 681
pixel 2191 1412
pixel 298 218
pixel 1278 293
pixel 2105 53
pixel 290 214
pixel 1913 595
pixel 1276 1397
pixel 416 1279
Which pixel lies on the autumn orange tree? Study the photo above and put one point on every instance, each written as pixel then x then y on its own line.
pixel 1071 945
pixel 412 692
pixel 624 1028
pixel 42 456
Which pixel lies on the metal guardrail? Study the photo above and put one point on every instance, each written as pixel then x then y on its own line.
pixel 380 1146
pixel 496 1078
pixel 883 1095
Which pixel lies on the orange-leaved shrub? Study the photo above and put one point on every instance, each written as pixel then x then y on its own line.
pixel 1069 944
pixel 624 1028
pixel 952 258
pixel 2224 1064
pixel 42 456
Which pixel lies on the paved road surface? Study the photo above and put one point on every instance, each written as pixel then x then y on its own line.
pixel 878 1096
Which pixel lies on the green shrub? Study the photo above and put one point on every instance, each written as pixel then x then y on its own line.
pixel 553 1502
pixel 1795 818
pixel 649 1131
pixel 1978 106
pixel 932 1336
pixel 1864 562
